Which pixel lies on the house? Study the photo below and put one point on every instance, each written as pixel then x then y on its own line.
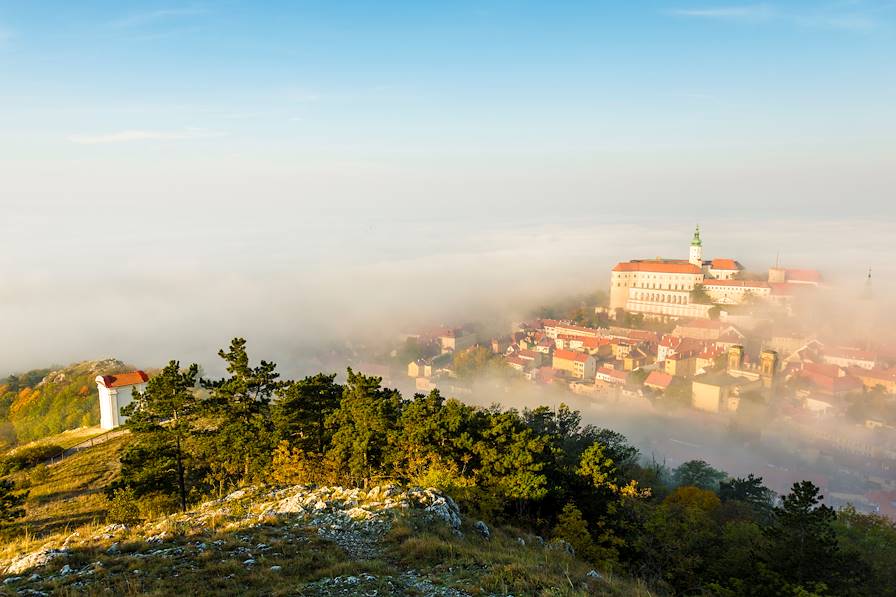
pixel 520 364
pixel 724 269
pixel 611 376
pixel 830 380
pixel 720 391
pixel 579 364
pixel 116 392
pixel 456 340
pixel 885 378
pixel 658 380
pixel 635 359
pixel 849 357
pixel 419 368
pixel 681 365
pixel 705 329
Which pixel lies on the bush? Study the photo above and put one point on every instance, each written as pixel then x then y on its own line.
pixel 123 507
pixel 29 457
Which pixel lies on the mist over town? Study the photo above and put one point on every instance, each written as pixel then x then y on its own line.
pixel 483 298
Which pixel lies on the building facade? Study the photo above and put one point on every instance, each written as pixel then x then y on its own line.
pixel 116 392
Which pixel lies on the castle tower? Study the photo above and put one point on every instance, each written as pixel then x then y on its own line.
pixel 696 256
pixel 768 367
pixel 736 358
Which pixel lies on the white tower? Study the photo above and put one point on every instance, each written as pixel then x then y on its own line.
pixel 116 392
pixel 696 256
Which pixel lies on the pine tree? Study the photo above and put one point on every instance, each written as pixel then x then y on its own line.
pixel 363 424
pixel 804 546
pixel 162 420
pixel 301 411
pixel 240 445
pixel 11 502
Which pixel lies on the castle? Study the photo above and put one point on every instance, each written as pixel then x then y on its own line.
pixel 689 288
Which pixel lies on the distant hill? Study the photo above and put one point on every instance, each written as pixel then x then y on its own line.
pixel 44 402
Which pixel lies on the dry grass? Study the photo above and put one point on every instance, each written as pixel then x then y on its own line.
pixel 68 494
pixel 499 564
pixel 66 439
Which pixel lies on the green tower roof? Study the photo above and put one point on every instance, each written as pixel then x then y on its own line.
pixel 696 242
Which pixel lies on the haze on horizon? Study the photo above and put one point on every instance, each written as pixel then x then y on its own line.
pixel 173 175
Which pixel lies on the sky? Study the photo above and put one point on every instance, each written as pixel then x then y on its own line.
pixel 175 174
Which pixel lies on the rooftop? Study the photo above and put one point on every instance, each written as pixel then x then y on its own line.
pixel 121 380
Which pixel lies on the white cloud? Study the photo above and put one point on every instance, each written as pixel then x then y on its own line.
pixel 145 18
pixel 830 17
pixel 751 12
pixel 142 135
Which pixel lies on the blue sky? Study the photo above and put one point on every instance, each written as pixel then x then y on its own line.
pixel 176 143
pixel 558 77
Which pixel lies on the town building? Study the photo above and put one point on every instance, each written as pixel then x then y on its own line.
pixel 579 364
pixel 677 288
pixel 116 392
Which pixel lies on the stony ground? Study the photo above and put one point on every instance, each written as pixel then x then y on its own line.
pixel 301 540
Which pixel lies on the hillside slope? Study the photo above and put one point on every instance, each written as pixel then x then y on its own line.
pixel 41 402
pixel 309 541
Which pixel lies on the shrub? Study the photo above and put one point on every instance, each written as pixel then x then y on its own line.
pixel 28 457
pixel 123 507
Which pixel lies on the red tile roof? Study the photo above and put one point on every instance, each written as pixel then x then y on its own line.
pixel 663 266
pixel 658 379
pixel 121 380
pixel 570 355
pixel 729 264
pixel 844 352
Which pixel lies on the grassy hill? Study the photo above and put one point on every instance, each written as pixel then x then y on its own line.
pixel 296 540
pixel 44 402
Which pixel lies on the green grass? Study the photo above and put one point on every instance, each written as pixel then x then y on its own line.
pixel 67 494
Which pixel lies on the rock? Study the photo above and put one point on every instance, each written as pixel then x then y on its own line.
pixel 249 562
pixel 235 495
pixel 34 577
pixel 444 508
pixel 482 528
pixel 561 545
pixel 594 574
pixel 113 549
pixel 65 570
pixel 11 580
pixel 521 541
pixel 276 568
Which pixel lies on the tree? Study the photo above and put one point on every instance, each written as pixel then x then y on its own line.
pixel 362 425
pixel 240 442
pixel 699 295
pixel 869 539
pixel 300 414
pixel 162 419
pixel 699 474
pixel 476 361
pixel 680 539
pixel 513 459
pixel 11 502
pixel 573 528
pixel 748 490
pixel 804 546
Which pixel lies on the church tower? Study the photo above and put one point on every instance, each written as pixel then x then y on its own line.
pixel 696 256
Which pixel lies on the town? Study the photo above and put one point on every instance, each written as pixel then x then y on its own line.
pixel 709 338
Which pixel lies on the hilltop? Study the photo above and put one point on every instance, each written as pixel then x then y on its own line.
pixel 307 540
pixel 43 402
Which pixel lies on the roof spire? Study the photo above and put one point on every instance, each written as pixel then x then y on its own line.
pixel 696 242
pixel 867 292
